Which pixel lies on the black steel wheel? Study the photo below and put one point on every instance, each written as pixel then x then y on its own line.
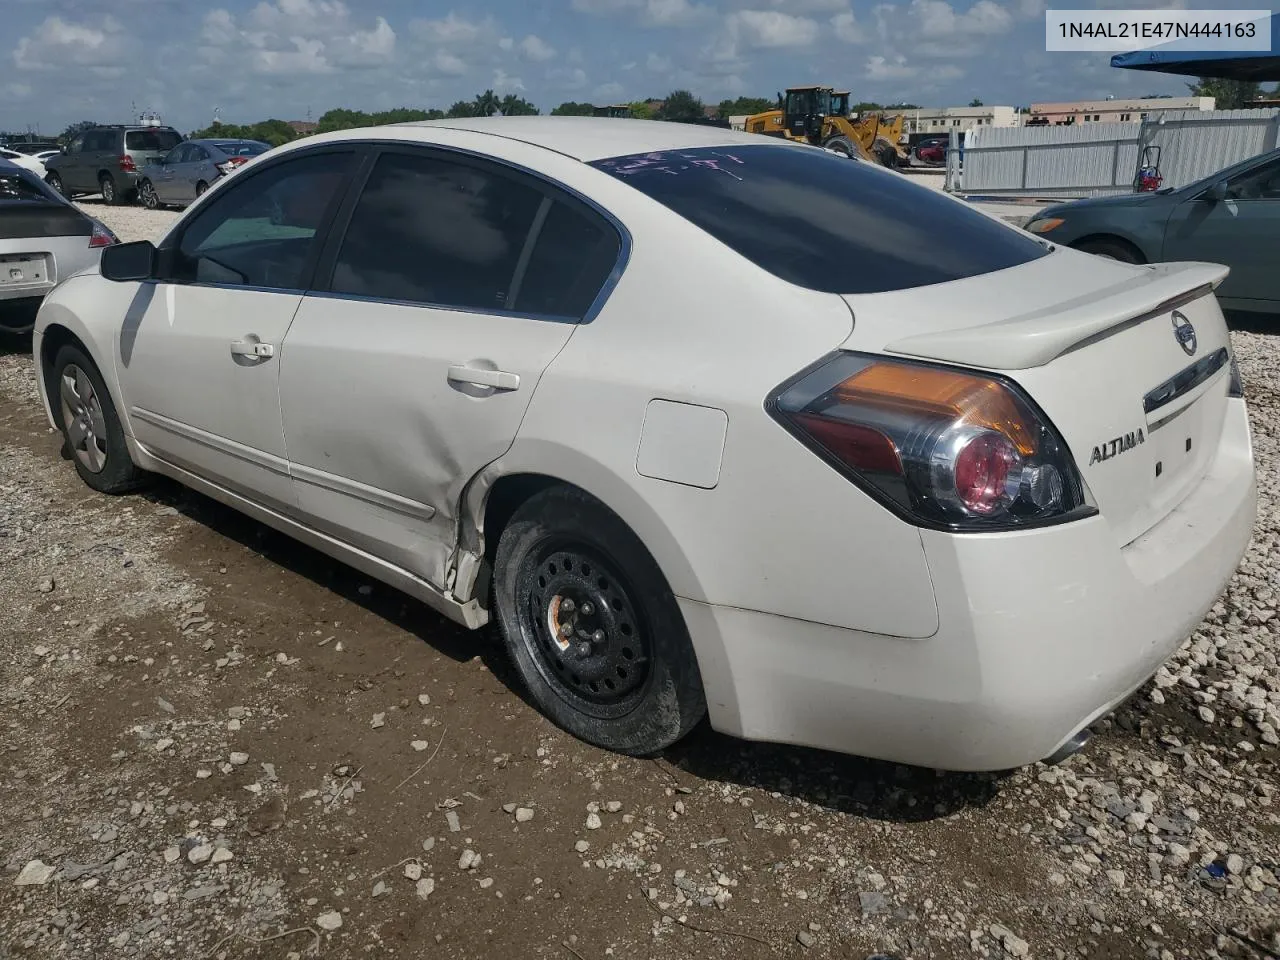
pixel 592 626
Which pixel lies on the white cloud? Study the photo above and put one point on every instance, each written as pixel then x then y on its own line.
pixel 57 44
pixel 880 68
pixel 937 18
pixel 453 30
pixel 295 37
pixel 772 28
pixel 307 56
pixel 658 63
pixel 536 49
pixel 847 28
pixel 504 83
pixel 656 13
pixel 378 42
pixel 506 43
pixel 448 64
pixel 608 91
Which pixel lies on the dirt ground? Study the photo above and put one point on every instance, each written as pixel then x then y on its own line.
pixel 218 743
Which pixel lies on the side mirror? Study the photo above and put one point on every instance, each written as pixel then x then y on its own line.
pixel 1218 192
pixel 125 262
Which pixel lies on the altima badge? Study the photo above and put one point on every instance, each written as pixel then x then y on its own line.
pixel 1184 333
pixel 1113 448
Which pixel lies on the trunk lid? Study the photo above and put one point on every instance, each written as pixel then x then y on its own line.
pixel 1130 364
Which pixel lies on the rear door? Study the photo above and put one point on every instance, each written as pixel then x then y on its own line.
pixel 1242 231
pixel 76 171
pixel 454 284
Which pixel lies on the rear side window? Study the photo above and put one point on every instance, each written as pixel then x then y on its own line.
pixel 436 231
pixel 21 187
pixel 820 221
pixel 151 139
pixel 574 254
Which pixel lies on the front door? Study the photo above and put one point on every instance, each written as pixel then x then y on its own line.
pixel 200 364
pixel 166 178
pixel 454 285
pixel 1241 231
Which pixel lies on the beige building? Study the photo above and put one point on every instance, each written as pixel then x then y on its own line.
pixel 1110 111
pixel 942 120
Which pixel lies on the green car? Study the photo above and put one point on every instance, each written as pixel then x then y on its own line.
pixel 1230 217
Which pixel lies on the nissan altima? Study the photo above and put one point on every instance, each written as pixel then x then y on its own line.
pixel 707 424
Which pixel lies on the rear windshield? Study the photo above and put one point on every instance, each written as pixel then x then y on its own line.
pixel 23 187
pixel 825 222
pixel 241 148
pixel 152 139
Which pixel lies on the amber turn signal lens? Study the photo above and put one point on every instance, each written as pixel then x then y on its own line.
pixel 933 391
pixel 1045 225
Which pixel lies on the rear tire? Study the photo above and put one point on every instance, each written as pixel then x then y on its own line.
pixel 91 431
pixel 55 181
pixel 1111 250
pixel 147 194
pixel 201 187
pixel 886 153
pixel 111 194
pixel 569 571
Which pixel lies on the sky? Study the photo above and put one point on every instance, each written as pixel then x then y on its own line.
pixel 67 60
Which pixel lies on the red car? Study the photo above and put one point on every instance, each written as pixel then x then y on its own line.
pixel 931 151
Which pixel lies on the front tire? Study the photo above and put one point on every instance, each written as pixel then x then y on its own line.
pixel 840 145
pixel 55 181
pixel 592 626
pixel 92 436
pixel 201 187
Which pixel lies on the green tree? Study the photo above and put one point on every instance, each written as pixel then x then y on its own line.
pixel 866 106
pixel 745 106
pixel 485 104
pixel 682 107
pixel 975 102
pixel 68 134
pixel 571 108
pixel 513 106
pixel 640 110
pixel 1227 94
pixel 462 108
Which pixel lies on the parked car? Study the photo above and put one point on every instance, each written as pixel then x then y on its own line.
pixel 187 170
pixel 44 155
pixel 1230 217
pixel 106 160
pixel 932 151
pixel 43 239
pixel 27 162
pixel 952 533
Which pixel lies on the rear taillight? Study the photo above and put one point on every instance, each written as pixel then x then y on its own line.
pixel 942 447
pixel 127 164
pixel 101 236
pixel 230 164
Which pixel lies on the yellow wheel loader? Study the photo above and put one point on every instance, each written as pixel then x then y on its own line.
pixel 819 115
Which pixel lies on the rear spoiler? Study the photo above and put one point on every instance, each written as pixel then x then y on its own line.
pixel 1034 339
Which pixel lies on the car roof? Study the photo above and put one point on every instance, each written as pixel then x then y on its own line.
pixel 591 138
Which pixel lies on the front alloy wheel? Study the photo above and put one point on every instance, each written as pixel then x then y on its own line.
pixel 147 191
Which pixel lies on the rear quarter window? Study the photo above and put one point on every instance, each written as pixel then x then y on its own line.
pixel 822 221
pixel 152 139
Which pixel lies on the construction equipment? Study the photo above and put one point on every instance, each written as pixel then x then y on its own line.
pixel 819 115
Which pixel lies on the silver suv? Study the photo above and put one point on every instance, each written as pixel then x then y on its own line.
pixel 106 160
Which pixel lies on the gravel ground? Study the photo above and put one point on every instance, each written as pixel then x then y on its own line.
pixel 217 743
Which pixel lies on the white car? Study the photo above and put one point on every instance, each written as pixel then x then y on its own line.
pixel 43 239
pixel 709 423
pixel 24 160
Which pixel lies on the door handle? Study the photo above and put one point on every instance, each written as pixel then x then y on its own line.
pixel 251 348
pixel 480 377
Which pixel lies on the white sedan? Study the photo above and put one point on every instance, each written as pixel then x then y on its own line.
pixel 710 424
pixel 25 160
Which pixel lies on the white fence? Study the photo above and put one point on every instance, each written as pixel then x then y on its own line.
pixel 1103 158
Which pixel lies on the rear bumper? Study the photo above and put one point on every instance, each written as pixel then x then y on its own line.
pixel 1041 633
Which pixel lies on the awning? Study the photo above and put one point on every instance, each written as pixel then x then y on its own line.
pixel 1259 66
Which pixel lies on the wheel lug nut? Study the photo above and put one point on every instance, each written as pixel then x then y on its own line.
pixel 588 608
pixel 584 649
pixel 567 605
pixel 566 630
pixel 598 637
